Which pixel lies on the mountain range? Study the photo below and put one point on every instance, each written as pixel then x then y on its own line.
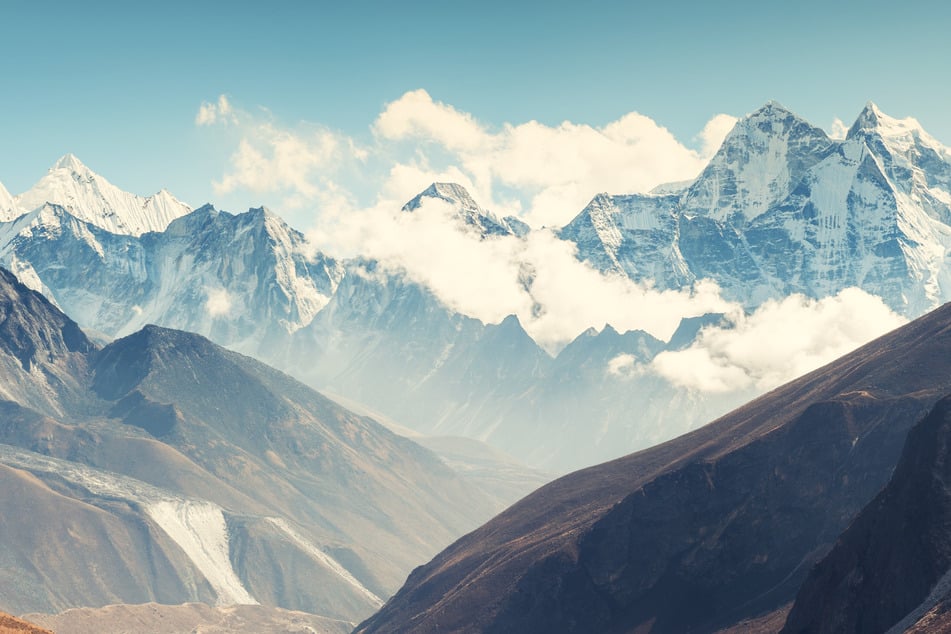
pixel 781 208
pixel 192 473
pixel 163 468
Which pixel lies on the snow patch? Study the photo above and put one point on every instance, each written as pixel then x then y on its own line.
pixel 325 559
pixel 200 529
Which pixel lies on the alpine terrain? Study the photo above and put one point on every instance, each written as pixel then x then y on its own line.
pixel 163 468
pixel 718 529
pixel 780 209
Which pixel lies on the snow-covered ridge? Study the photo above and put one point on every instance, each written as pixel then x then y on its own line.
pixel 90 197
pixel 8 207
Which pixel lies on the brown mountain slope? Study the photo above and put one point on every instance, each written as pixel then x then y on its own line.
pixel 897 550
pixel 699 533
pixel 189 618
pixel 12 625
pixel 163 468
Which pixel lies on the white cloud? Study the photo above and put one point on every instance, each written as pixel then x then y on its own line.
pixel 544 173
pixel 212 113
pixel 416 116
pixel 555 170
pixel 838 129
pixel 713 134
pixel 625 366
pixel 277 160
pixel 219 302
pixel 319 177
pixel 539 278
pixel 778 342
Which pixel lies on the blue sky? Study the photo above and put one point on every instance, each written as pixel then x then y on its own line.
pixel 120 84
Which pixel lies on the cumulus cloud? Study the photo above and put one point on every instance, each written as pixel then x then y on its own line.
pixel 415 115
pixel 625 366
pixel 713 134
pixel 538 278
pixel 295 168
pixel 554 169
pixel 546 174
pixel 838 129
pixel 778 342
pixel 218 112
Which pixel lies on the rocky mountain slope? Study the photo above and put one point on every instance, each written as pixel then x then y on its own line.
pixel 716 527
pixel 191 473
pixel 891 567
pixel 188 619
pixel 12 625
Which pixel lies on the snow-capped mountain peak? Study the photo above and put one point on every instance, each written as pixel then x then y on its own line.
pixel 90 197
pixel 69 162
pixel 452 193
pixel 761 159
pixel 482 221
pixel 916 163
pixel 8 207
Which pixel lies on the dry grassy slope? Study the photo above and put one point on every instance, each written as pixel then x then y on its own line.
pixel 186 619
pixel 12 625
pixel 714 527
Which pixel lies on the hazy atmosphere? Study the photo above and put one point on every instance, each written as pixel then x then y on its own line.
pixel 624 317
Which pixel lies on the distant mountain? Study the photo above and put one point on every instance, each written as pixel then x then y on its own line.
pixel 781 208
pixel 247 280
pixel 714 528
pixel 191 473
pixel 90 197
pixel 468 211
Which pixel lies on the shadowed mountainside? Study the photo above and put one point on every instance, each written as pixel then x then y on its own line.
pixel 702 532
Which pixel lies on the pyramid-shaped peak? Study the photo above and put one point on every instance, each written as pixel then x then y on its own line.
pixel 450 190
pixel 771 108
pixel 772 118
pixel 452 193
pixel 69 162
pixel 873 120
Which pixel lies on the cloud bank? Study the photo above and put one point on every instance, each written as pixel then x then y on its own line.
pixel 544 173
pixel 778 342
pixel 538 278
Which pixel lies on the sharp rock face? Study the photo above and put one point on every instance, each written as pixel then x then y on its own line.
pixel 782 208
pixel 90 197
pixel 244 279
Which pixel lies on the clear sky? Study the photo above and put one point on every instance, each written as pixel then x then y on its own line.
pixel 119 84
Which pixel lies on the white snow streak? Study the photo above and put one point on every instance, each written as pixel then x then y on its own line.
pixel 325 559
pixel 199 528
